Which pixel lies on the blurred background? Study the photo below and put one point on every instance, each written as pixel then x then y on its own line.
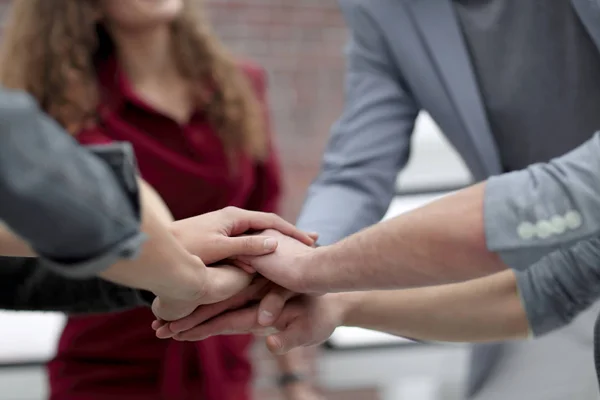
pixel 300 43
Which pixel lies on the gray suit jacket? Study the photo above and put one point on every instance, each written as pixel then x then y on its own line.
pixel 404 56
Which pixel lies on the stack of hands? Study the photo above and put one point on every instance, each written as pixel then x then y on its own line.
pixel 256 282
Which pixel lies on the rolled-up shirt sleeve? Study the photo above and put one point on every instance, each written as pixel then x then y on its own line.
pixel 560 286
pixel 545 207
pixel 78 208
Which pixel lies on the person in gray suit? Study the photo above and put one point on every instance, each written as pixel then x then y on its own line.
pixel 509 83
pixel 536 230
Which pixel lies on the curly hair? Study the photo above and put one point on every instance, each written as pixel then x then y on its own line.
pixel 49 48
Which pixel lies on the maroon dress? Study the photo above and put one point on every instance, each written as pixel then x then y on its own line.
pixel 117 356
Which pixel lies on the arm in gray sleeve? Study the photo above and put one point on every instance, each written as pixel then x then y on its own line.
pixel 25 286
pixel 77 211
pixel 533 212
pixel 369 144
pixel 560 286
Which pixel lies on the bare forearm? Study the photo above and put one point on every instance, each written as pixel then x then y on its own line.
pixel 146 271
pixel 163 259
pixel 442 242
pixel 484 309
pixel 13 246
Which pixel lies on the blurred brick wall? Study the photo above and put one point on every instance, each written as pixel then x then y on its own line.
pixel 300 43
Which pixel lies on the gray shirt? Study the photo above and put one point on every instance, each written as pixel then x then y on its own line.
pixel 77 209
pixel 538 72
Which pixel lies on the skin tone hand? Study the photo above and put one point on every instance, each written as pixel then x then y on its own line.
pixel 277 267
pixel 306 319
pixel 484 309
pixel 219 236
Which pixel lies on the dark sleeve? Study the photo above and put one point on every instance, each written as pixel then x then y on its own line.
pixel 24 286
pixel 78 211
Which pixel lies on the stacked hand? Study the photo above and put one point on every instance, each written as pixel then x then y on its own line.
pixel 271 305
pixel 215 239
pixel 222 240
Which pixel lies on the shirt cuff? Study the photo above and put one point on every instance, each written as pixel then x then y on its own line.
pixel 119 157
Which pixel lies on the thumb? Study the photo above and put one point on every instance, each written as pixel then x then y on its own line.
pixel 250 245
pixel 283 342
pixel 170 310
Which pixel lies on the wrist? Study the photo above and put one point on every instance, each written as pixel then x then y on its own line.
pixel 344 306
pixel 313 269
pixel 187 279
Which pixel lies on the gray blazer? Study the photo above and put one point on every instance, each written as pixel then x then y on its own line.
pixel 405 56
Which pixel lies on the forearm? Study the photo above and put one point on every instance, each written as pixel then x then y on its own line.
pixel 162 260
pixel 13 246
pixel 439 243
pixel 484 309
pixel 157 260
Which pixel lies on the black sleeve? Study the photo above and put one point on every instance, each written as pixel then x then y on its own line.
pixel 24 286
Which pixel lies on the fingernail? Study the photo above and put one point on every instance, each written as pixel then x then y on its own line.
pixel 276 343
pixel 270 244
pixel 265 318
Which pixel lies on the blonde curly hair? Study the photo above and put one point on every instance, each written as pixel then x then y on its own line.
pixel 49 47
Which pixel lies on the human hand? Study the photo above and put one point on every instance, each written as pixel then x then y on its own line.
pixel 305 321
pixel 285 266
pixel 256 291
pixel 220 282
pixel 214 237
pixel 218 235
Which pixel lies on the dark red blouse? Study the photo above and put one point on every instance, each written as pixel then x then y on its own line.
pixel 117 356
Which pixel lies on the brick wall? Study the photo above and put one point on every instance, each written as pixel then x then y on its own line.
pixel 300 43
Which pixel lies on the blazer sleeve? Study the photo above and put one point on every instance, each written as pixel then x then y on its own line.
pixel 370 142
pixel 79 212
pixel 26 286
pixel 533 212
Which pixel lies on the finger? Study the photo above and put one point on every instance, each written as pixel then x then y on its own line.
pixel 234 322
pixel 258 221
pixel 293 336
pixel 247 268
pixel 171 310
pixel 313 235
pixel 256 290
pixel 272 305
pixel 248 245
pixel 157 324
pixel 164 332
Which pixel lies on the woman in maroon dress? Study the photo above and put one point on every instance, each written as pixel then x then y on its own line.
pixel 150 72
